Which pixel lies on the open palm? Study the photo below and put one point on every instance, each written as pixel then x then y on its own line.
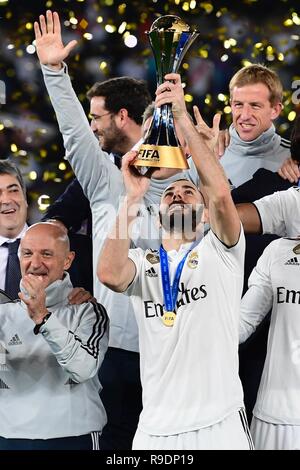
pixel 49 45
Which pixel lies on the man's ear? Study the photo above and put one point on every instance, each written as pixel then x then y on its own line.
pixel 276 110
pixel 122 117
pixel 69 260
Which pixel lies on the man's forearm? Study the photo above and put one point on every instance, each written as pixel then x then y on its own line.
pixel 250 218
pixel 223 216
pixel 114 267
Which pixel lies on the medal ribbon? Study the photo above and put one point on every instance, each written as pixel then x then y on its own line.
pixel 170 292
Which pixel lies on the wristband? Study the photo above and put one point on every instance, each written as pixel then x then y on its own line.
pixel 37 327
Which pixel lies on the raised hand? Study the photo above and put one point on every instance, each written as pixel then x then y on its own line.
pixel 35 299
pixel 290 171
pixel 136 184
pixel 223 142
pixel 49 45
pixel 79 295
pixel 210 134
pixel 171 92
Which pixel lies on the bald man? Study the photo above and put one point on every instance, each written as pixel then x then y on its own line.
pixel 51 352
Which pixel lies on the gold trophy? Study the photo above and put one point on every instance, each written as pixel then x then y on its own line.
pixel 170 37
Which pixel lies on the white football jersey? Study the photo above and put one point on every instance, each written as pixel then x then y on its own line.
pixel 189 371
pixel 274 283
pixel 280 212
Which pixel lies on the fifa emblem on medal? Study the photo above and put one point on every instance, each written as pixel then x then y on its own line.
pixel 169 318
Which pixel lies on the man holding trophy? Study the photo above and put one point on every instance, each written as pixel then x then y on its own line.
pixel 102 183
pixel 186 298
pixel 185 295
pixel 95 171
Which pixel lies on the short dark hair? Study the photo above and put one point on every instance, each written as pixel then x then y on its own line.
pixel 123 92
pixel 9 168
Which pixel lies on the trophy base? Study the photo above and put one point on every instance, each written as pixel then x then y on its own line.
pixel 161 156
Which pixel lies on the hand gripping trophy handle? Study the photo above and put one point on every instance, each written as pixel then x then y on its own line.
pixel 170 38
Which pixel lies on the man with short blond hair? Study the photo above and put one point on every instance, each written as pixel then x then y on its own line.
pixel 256 101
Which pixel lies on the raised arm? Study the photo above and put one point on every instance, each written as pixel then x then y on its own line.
pixel 224 219
pixel 90 163
pixel 115 269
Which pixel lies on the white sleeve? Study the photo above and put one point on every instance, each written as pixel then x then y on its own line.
pixel 137 256
pixel 79 352
pixel 95 171
pixel 258 299
pixel 271 210
pixel 232 257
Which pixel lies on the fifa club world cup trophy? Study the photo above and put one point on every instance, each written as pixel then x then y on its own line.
pixel 170 38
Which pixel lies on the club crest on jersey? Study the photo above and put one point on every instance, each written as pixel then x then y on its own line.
pixel 152 258
pixel 192 261
pixel 296 250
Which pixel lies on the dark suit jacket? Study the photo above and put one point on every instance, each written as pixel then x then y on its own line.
pixel 72 208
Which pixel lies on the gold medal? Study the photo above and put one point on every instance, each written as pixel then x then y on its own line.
pixel 169 318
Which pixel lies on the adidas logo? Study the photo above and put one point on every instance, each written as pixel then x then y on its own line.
pixel 15 341
pixel 293 262
pixel 151 272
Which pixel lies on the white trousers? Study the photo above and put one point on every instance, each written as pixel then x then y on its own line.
pixel 232 433
pixel 269 436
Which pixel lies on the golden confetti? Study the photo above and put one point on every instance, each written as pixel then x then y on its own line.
pixel 62 166
pixel 291 115
pixel 83 24
pixel 188 98
pixel 32 175
pixel 232 34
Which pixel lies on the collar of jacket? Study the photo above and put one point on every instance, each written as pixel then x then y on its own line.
pixel 263 144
